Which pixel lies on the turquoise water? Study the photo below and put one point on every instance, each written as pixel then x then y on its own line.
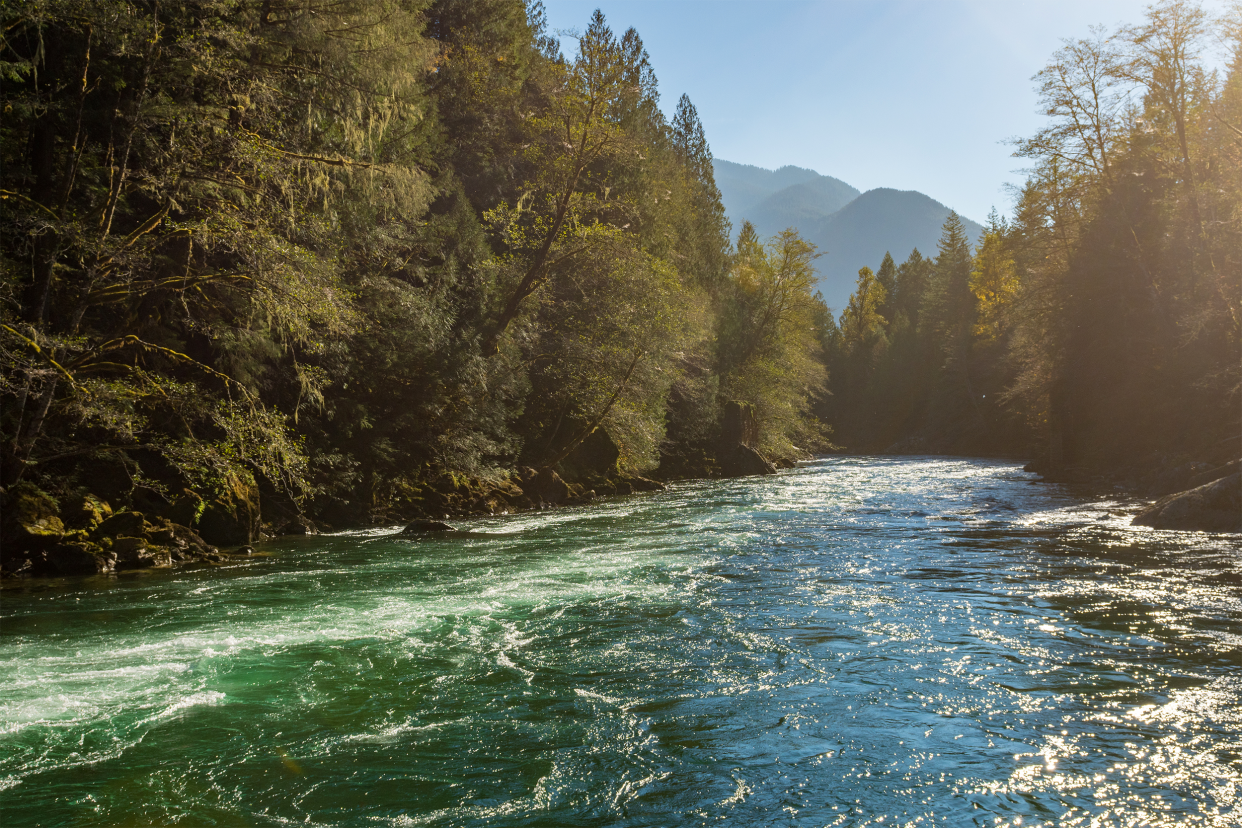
pixel 860 641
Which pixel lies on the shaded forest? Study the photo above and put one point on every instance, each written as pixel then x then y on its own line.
pixel 276 265
pixel 1097 329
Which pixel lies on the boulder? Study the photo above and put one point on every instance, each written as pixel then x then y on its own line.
pixel 139 553
pixel 297 525
pixel 86 512
pixel 742 461
pixel 550 488
pixel 31 519
pixel 76 559
pixel 122 524
pixel 13 565
pixel 1212 507
pixel 594 457
pixel 424 527
pixel 643 484
pixel 1214 474
pixel 124 540
pixel 185 509
pixel 232 518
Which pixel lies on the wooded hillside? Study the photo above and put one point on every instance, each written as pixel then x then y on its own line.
pixel 370 259
pixel 1098 328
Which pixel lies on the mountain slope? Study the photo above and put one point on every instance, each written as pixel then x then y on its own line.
pixel 800 205
pixel 878 221
pixel 743 186
pixel 853 230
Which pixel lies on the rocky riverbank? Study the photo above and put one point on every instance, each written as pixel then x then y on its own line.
pixel 38 543
pixel 1191 495
pixel 82 533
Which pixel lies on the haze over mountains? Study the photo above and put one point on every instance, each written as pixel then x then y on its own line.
pixel 853 229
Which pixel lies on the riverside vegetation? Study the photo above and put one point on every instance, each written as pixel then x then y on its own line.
pixel 276 266
pixel 272 266
pixel 1098 328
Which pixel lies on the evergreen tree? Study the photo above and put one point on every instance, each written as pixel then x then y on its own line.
pixel 887 277
pixel 862 324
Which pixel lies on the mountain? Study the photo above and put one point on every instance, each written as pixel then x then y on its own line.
pixel 801 205
pixel 743 186
pixel 852 229
pixel 878 221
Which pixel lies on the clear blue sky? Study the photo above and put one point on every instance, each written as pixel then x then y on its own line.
pixel 910 94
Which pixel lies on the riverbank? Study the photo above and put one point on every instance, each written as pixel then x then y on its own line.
pixel 76 532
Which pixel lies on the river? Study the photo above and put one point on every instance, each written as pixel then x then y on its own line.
pixel 856 642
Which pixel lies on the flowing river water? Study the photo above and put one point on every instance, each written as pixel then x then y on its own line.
pixel 860 641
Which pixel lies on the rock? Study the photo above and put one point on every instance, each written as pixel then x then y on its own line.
pixel 16 566
pixel 490 504
pixel 424 527
pixel 280 509
pixel 1214 474
pixel 185 508
pixel 298 525
pixel 918 445
pixel 77 559
pixel 642 484
pixel 583 497
pixel 244 551
pixel 1212 507
pixel 147 500
pixel 739 434
pixel 232 519
pixel 338 513
pixel 594 457
pixel 127 524
pixel 31 519
pixel 86 512
pixel 138 553
pixel 1177 478
pixel 551 489
pixel 124 540
pixel 743 460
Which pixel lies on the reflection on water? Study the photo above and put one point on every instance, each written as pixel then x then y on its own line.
pixel 861 641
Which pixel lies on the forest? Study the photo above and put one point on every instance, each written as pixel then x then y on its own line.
pixel 270 266
pixel 297 265
pixel 1097 328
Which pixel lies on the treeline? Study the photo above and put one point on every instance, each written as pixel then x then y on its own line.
pixel 1098 328
pixel 367 259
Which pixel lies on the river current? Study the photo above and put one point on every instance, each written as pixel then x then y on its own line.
pixel 856 642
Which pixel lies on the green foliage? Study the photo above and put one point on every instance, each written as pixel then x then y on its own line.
pixel 1100 326
pixel 862 322
pixel 768 351
pixel 338 247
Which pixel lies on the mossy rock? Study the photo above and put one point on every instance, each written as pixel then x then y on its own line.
pixel 139 553
pixel 230 519
pixel 129 524
pixel 68 559
pixel 31 518
pixel 86 512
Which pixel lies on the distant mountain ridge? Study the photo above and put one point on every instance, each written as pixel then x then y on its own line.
pixel 851 228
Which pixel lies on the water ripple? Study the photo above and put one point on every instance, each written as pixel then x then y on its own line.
pixel 861 641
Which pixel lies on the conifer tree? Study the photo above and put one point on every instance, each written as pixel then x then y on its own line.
pixel 887 277
pixel 861 321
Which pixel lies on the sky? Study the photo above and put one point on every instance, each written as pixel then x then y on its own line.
pixel 909 94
